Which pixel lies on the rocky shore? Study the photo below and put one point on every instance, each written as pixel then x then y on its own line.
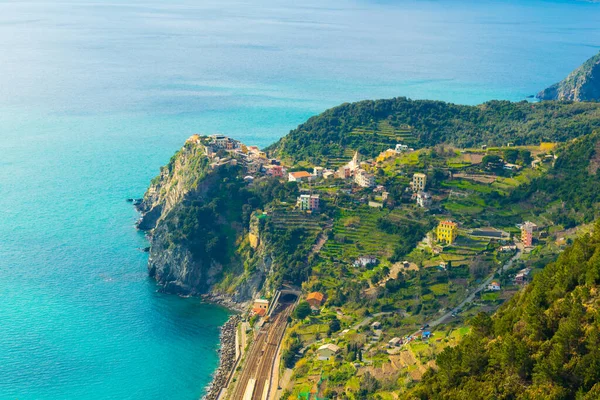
pixel 224 301
pixel 226 358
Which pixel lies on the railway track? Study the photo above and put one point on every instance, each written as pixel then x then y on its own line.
pixel 254 379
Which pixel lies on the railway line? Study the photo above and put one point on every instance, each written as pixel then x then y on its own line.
pixel 253 382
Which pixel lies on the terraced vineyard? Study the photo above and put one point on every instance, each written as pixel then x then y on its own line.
pixel 356 233
pixel 387 134
pixel 336 162
pixel 285 217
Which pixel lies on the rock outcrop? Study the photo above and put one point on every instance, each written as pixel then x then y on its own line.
pixel 192 212
pixel 583 84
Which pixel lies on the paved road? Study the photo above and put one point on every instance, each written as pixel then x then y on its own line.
pixel 471 296
pixel 369 319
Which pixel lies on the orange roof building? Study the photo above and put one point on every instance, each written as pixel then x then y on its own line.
pixel 299 176
pixel 315 299
pixel 260 307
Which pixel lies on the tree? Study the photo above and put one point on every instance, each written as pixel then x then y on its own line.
pixel 492 162
pixel 334 325
pixel 302 310
pixel 479 268
pixel 482 324
pixel 525 157
pixel 511 155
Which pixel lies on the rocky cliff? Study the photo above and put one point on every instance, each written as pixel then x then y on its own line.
pixel 197 222
pixel 583 84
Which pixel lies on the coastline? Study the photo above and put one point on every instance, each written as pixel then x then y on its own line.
pixel 227 344
pixel 227 358
pixel 224 301
pixel 227 336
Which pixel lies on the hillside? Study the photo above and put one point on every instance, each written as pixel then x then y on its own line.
pixel 373 126
pixel 583 84
pixel 198 213
pixel 226 220
pixel 572 183
pixel 543 344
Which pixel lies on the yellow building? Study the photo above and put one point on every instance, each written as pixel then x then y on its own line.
pixel 447 231
pixel 419 182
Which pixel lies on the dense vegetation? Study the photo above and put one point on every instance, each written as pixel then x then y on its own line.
pixel 432 122
pixel 543 344
pixel 409 233
pixel 210 218
pixel 573 182
pixel 205 221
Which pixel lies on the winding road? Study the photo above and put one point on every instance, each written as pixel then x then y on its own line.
pixel 481 287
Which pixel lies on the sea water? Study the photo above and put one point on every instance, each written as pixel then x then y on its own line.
pixel 96 95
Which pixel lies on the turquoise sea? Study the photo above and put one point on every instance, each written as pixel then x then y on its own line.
pixel 96 95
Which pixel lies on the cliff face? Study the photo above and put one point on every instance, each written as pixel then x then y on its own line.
pixel 186 169
pixel 194 219
pixel 583 84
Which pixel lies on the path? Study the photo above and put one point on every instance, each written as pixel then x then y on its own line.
pixel 471 296
pixel 322 239
pixel 369 319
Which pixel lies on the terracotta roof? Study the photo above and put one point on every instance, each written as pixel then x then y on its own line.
pixel 316 296
pixel 300 174
pixel 259 311
pixel 448 223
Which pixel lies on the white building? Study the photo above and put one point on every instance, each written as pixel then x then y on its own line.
pixel 364 179
pixel 424 199
pixel 299 176
pixel 327 351
pixel 494 286
pixel 364 261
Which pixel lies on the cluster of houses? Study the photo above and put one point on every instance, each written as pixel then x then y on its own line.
pixel 256 162
pixel 522 276
pixel 357 170
pixel 418 185
pixel 223 150
pixel 354 169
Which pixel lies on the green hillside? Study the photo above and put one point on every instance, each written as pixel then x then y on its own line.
pixel 372 126
pixel 543 344
pixel 572 183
